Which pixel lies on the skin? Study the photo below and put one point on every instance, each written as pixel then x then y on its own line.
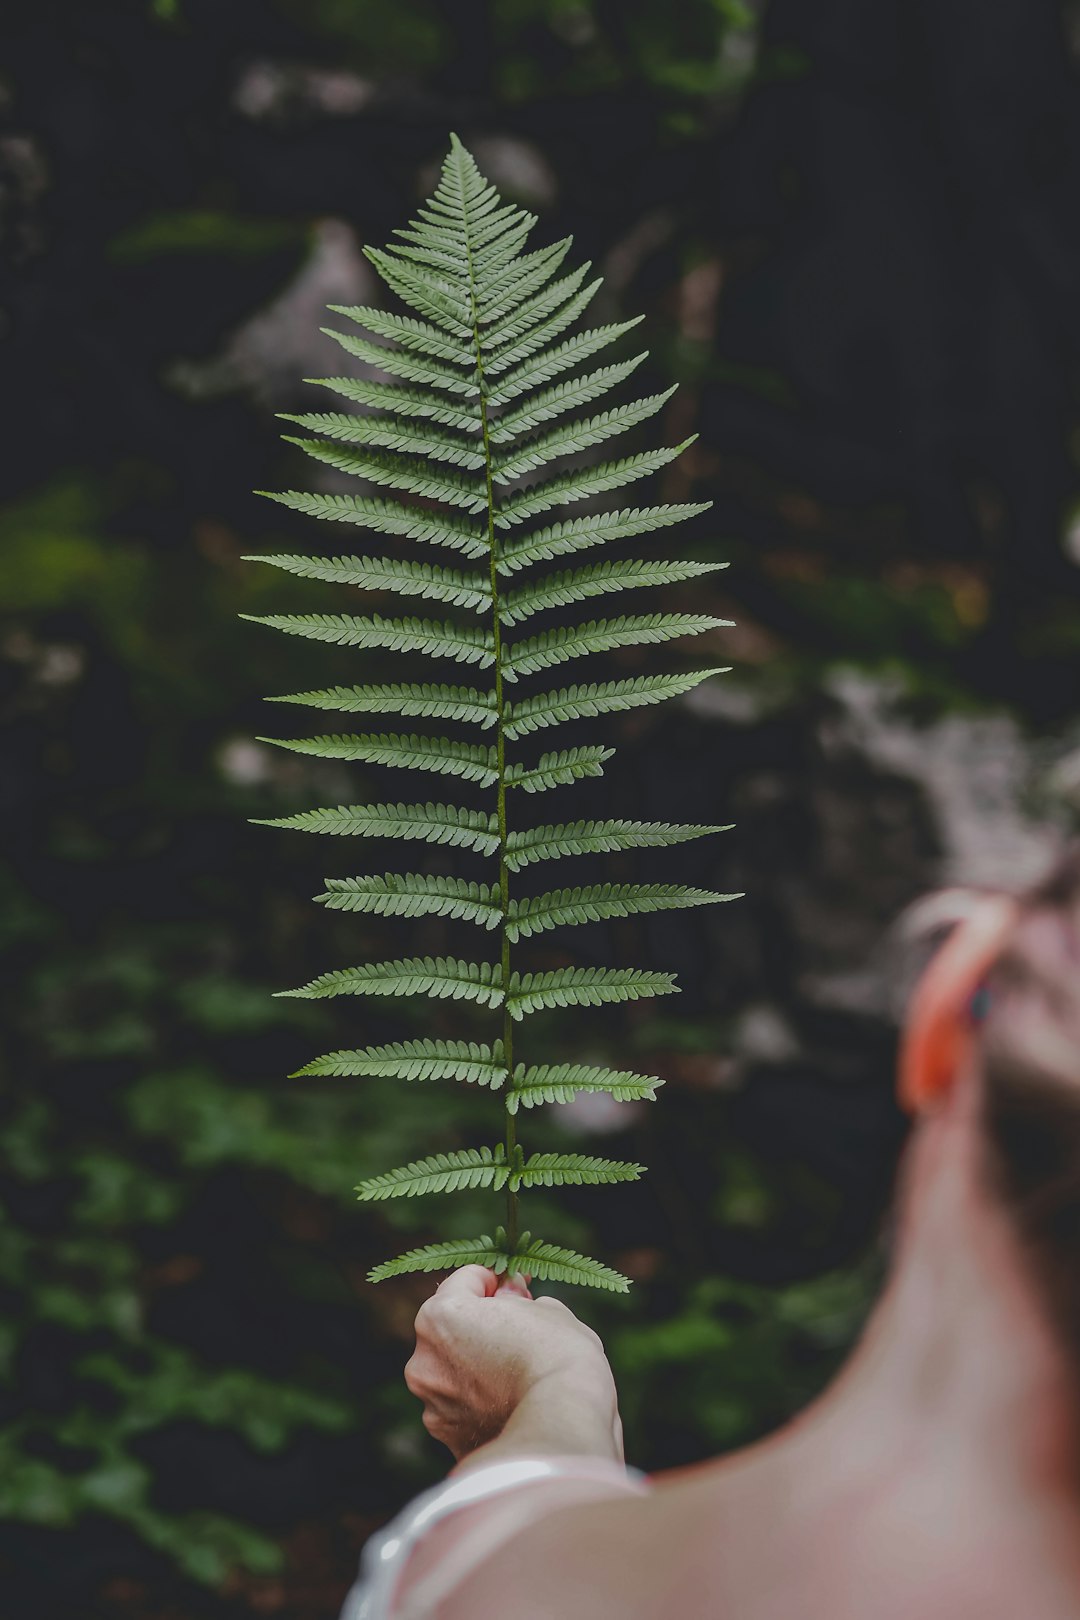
pixel 936 1479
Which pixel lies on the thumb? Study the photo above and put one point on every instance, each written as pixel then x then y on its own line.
pixel 516 1284
pixel 477 1281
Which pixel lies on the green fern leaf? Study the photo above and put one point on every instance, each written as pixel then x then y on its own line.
pixel 565 907
pixel 610 697
pixel 584 987
pixel 381 433
pixel 473 225
pixel 546 1262
pixel 556 770
pixel 519 383
pixel 579 534
pixel 503 286
pixel 464 643
pixel 398 473
pixel 595 838
pixel 387 517
pixel 480 383
pixel 442 977
pixel 432 297
pixel 584 483
pixel 576 641
pixel 420 336
pixel 561 1083
pixel 430 702
pixel 442 1172
pixel 409 367
pixel 573 437
pixel 415 894
pixel 565 396
pixel 466 1061
pixel 390 574
pixel 534 314
pixel 513 353
pixel 433 823
pixel 445 1257
pixel 395 401
pixel 572 1170
pixel 560 590
pixel 505 279
pixel 469 761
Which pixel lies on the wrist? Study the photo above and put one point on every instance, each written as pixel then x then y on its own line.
pixel 559 1415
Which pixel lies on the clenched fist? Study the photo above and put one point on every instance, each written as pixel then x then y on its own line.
pixel 491 1359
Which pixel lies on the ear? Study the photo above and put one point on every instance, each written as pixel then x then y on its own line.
pixel 939 1029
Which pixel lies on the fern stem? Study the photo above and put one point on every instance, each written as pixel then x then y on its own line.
pixel 509 1120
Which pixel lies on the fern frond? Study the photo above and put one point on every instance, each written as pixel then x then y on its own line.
pixel 449 1256
pixel 574 437
pixel 584 987
pixel 557 770
pixel 383 433
pixel 443 977
pixel 433 823
pixel 533 316
pixel 565 907
pixel 469 761
pixel 514 352
pixel 495 236
pixel 420 336
pixel 553 362
pixel 432 296
pixel 565 396
pixel 546 1262
pixel 442 1172
pixel 572 1170
pixel 610 697
pixel 387 517
pixel 415 894
pixel 480 384
pixel 397 473
pixel 447 585
pixel 561 1083
pixel 579 534
pixel 576 641
pixel 464 643
pixel 467 1061
pixel 395 401
pixel 503 285
pixel 408 367
pixel 463 703
pixel 595 838
pixel 584 483
pixel 560 590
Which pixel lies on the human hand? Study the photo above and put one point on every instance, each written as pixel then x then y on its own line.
pixel 490 1360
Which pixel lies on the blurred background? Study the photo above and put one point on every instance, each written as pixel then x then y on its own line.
pixel 854 229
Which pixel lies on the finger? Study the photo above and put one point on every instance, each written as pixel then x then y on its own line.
pixel 516 1284
pixel 476 1282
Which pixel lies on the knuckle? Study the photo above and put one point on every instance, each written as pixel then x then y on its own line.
pixel 431 1320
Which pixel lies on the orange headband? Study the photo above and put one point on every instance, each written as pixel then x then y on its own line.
pixel 939 1029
